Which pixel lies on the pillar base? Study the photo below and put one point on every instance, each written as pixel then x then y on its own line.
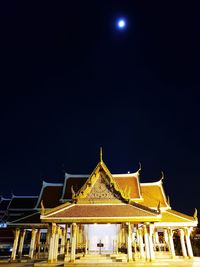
pixel 185 257
pixel 13 261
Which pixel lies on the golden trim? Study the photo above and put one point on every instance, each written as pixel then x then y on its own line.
pixel 101 219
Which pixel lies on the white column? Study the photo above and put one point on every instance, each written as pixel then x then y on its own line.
pixel 32 244
pixel 171 243
pixel 152 254
pixel 123 234
pixel 120 236
pixel 51 243
pixel 166 240
pixel 47 242
pixel 21 243
pixel 67 244
pixel 73 242
pixel 140 235
pixel 56 240
pixel 156 240
pixel 156 237
pixel 37 246
pixel 183 247
pixel 15 244
pixel 62 250
pixel 146 241
pixel 188 243
pixel 129 244
pixel 86 238
pixel 166 236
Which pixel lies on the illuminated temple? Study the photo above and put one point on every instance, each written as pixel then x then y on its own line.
pixel 88 218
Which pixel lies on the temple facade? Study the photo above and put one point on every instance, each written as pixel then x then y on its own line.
pixel 100 216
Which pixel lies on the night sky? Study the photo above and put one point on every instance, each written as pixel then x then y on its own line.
pixel 71 82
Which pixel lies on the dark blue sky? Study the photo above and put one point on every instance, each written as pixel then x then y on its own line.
pixel 70 82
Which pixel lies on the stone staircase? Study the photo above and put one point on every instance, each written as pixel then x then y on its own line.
pixel 102 258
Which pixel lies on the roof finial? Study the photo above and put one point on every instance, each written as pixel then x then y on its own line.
pixel 162 176
pixel 101 155
pixel 195 214
pixel 140 166
pixel 158 207
pixel 168 200
pixel 42 208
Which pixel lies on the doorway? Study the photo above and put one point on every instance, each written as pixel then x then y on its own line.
pixel 102 238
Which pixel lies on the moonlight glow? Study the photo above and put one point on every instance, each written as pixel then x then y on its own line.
pixel 121 24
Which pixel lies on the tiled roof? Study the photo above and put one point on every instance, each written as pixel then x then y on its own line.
pixel 4 204
pixel 172 217
pixel 129 182
pixel 30 220
pixel 76 182
pixel 99 210
pixel 152 195
pixel 123 180
pixel 173 214
pixel 50 195
pixel 22 203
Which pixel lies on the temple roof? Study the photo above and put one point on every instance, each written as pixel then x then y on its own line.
pixel 99 213
pixel 50 194
pixel 129 180
pixel 28 220
pixel 175 218
pixel 101 186
pixel 22 202
pixel 4 204
pixel 152 194
pixel 72 180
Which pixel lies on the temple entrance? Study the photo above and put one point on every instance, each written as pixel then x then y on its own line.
pixel 102 238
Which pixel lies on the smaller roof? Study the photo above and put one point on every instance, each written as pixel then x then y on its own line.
pixel 129 181
pixel 72 181
pixel 152 194
pixel 50 195
pixel 30 220
pixel 4 205
pixel 22 202
pixel 175 218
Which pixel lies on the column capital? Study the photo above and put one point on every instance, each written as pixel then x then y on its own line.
pixel 53 228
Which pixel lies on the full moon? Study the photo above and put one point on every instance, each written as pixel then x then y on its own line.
pixel 121 23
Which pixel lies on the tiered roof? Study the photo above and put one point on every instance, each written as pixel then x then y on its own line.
pixel 100 197
pixel 104 213
pixel 24 203
pixel 153 193
pixel 50 194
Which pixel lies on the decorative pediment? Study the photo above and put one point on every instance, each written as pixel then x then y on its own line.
pixel 100 187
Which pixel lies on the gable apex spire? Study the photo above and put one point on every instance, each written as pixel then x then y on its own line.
pixel 101 155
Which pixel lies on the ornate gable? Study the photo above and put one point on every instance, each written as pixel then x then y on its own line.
pixel 100 187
